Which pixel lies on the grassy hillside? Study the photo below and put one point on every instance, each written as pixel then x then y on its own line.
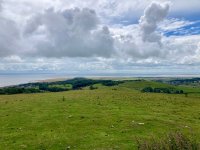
pixel 104 118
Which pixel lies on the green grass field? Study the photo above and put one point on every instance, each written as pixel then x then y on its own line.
pixel 102 119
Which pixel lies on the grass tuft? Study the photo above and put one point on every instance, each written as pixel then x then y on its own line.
pixel 173 141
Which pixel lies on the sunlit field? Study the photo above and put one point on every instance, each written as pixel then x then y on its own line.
pixel 103 118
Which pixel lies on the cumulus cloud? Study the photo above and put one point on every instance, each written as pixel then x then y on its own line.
pixel 142 40
pixel 153 14
pixel 30 32
pixel 132 46
pixel 69 33
pixel 182 50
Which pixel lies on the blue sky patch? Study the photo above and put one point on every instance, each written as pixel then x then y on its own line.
pixel 192 29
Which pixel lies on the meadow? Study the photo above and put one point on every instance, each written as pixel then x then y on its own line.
pixel 106 118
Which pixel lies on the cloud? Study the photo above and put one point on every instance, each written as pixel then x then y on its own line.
pixel 69 33
pixel 184 6
pixel 153 14
pixel 179 27
pixel 72 36
pixel 182 49
pixel 174 24
pixel 9 35
pixel 13 59
pixel 175 49
pixel 142 41
pixel 0 5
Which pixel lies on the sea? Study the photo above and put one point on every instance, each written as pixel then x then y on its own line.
pixel 16 79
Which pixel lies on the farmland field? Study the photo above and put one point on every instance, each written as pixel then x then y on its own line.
pixel 109 117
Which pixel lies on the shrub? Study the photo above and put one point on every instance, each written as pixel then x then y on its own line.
pixel 148 89
pixel 173 141
pixel 110 82
pixel 92 87
pixel 162 90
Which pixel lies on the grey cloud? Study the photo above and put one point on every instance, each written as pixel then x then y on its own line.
pixel 142 41
pixel 9 36
pixel 138 50
pixel 79 33
pixel 153 14
pixel 0 5
pixel 69 33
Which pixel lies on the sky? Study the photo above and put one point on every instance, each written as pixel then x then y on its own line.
pixel 100 37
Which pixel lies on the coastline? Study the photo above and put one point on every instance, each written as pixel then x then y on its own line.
pixel 13 80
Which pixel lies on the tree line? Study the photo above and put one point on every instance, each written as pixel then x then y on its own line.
pixel 76 83
pixel 162 90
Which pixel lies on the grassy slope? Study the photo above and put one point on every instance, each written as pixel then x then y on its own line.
pixel 97 119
